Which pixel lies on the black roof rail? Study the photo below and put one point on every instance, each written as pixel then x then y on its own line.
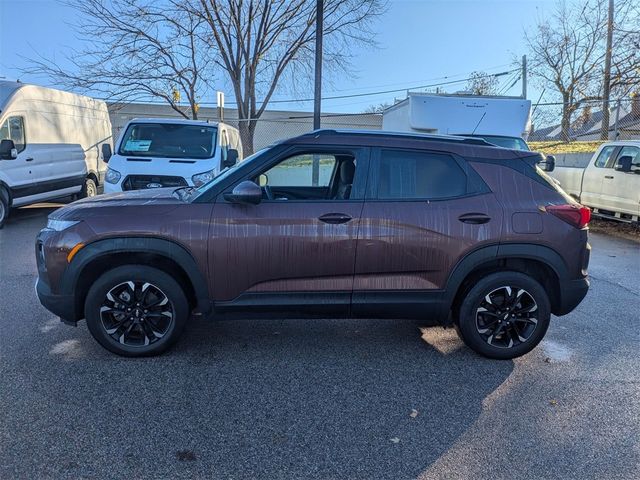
pixel 423 136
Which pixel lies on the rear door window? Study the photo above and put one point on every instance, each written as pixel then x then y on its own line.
pixel 406 174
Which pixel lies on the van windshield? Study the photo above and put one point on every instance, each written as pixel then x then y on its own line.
pixel 169 140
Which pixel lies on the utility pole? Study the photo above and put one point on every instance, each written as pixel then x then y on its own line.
pixel 524 76
pixel 606 90
pixel 317 105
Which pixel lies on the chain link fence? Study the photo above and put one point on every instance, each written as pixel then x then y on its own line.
pixel 582 134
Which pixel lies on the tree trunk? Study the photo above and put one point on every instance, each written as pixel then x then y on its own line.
pixel 247 129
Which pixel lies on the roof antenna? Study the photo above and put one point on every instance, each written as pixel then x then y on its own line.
pixel 478 124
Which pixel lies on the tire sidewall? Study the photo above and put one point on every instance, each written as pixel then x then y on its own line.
pixel 108 280
pixel 89 186
pixel 466 323
pixel 4 206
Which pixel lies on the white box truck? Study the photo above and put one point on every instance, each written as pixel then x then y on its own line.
pixel 51 145
pixel 503 121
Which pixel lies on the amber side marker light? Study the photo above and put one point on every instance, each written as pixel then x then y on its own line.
pixel 73 252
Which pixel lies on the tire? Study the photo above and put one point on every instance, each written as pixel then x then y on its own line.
pixel 90 189
pixel 116 314
pixel 4 206
pixel 504 315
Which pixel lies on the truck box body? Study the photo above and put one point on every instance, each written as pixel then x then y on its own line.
pixel 460 115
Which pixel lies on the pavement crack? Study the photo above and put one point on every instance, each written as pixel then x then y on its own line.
pixel 615 284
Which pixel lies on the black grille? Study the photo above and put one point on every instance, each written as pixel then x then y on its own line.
pixel 140 182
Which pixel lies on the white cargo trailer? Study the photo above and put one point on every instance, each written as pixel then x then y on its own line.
pixel 504 121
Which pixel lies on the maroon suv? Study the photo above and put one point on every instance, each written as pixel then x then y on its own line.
pixel 332 223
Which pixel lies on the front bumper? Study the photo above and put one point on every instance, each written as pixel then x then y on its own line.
pixel 61 305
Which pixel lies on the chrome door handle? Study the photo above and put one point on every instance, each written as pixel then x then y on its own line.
pixel 30 159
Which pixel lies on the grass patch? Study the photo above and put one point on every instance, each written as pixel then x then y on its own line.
pixel 557 148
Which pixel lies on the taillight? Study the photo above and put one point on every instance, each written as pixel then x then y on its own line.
pixel 575 215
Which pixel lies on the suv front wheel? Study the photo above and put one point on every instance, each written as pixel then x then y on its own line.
pixel 135 310
pixel 505 315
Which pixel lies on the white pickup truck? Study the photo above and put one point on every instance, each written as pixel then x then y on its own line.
pixel 610 183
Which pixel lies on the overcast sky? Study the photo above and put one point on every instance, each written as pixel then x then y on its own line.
pixel 422 42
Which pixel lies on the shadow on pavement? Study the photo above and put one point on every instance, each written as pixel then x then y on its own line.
pixel 272 399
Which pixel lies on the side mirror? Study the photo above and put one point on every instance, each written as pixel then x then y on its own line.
pixel 245 192
pixel 232 158
pixel 549 164
pixel 624 164
pixel 8 150
pixel 106 152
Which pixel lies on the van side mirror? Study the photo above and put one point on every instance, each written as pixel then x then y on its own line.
pixel 549 164
pixel 624 164
pixel 106 152
pixel 246 192
pixel 232 158
pixel 8 150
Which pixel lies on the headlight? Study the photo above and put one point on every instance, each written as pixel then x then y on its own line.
pixel 202 178
pixel 112 176
pixel 59 225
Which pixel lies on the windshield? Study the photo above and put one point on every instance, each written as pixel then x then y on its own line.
pixel 513 143
pixel 169 140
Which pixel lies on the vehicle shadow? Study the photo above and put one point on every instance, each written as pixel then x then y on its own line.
pixel 262 399
pixel 330 398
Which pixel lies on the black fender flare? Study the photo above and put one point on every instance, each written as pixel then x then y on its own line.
pixel 527 251
pixel 158 246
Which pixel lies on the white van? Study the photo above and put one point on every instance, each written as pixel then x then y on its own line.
pixel 51 144
pixel 154 153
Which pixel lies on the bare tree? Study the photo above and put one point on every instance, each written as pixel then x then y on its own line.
pixel 136 50
pixel 568 50
pixel 259 42
pixel 378 107
pixel 565 54
pixel 480 83
pixel 621 67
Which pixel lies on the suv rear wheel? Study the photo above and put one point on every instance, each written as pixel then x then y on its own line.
pixel 505 315
pixel 135 310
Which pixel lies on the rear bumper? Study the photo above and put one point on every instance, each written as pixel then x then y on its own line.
pixel 571 294
pixel 60 305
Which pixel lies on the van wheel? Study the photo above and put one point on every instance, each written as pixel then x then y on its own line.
pixel 136 311
pixel 89 189
pixel 505 315
pixel 4 207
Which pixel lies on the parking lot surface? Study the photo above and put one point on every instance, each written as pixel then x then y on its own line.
pixel 361 399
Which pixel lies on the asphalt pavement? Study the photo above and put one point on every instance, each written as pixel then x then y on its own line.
pixel 356 399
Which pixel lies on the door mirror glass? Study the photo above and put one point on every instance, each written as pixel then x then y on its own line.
pixel 263 179
pixel 624 164
pixel 232 158
pixel 8 150
pixel 549 164
pixel 246 192
pixel 106 152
